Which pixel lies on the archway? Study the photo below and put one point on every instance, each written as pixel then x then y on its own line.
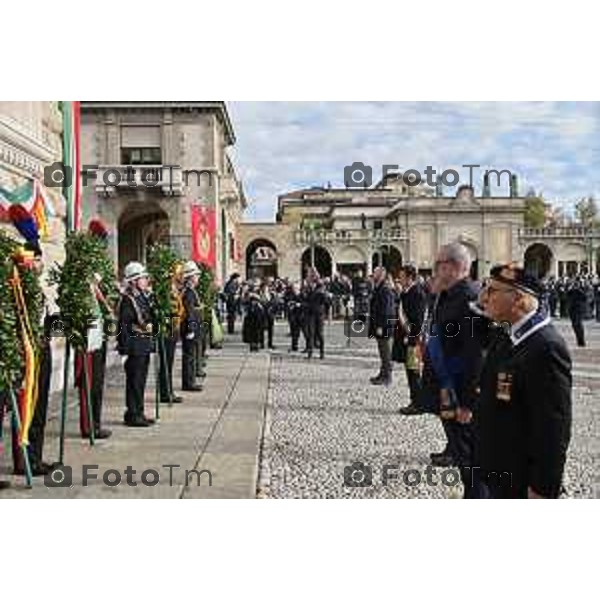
pixel 350 260
pixel 140 226
pixel 322 261
pixel 389 257
pixel 261 259
pixel 538 259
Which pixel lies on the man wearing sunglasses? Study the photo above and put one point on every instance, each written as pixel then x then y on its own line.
pixel 524 411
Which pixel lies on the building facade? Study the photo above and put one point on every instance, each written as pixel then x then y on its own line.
pixel 346 230
pixel 31 140
pixel 150 162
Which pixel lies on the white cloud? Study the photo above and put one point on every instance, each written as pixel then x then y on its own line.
pixel 281 146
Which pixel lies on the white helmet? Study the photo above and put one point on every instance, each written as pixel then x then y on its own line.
pixel 190 268
pixel 134 270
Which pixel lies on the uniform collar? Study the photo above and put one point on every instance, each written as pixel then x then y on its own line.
pixel 528 325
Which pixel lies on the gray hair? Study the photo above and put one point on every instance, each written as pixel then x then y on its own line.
pixel 458 254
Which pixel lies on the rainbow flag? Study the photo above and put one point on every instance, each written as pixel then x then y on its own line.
pixel 72 160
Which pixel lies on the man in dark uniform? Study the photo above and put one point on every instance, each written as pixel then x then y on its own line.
pixel 361 291
pixel 561 289
pixel 316 304
pixel 382 323
pixel 576 303
pixel 231 292
pixel 414 303
pixel 294 312
pixel 552 295
pixel 169 342
pixel 191 326
pixel 136 341
pixel 524 412
pixel 457 338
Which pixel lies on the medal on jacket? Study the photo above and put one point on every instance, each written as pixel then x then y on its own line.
pixel 504 386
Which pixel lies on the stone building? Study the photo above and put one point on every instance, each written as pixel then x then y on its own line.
pixel 345 230
pixel 180 151
pixel 30 140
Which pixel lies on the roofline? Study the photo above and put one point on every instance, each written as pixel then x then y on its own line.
pixel 220 106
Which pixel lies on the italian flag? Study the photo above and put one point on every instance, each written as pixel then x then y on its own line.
pixel 72 160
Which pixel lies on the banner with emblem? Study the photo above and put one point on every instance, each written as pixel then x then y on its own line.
pixel 204 226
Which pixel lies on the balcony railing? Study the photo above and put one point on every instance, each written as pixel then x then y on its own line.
pixel 349 236
pixel 560 232
pixel 112 178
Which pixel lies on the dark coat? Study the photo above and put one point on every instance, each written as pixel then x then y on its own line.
pixel 414 304
pixel 462 335
pixel 254 322
pixel 382 311
pixel 315 302
pixel 135 316
pixel 524 413
pixel 191 322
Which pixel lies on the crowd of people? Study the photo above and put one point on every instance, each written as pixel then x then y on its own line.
pixel 140 330
pixel 485 358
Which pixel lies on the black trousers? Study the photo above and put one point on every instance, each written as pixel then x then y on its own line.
pixel 384 347
pixel 190 351
pixel 270 323
pixel 136 372
pixel 295 326
pixel 577 324
pixel 231 320
pixel 597 302
pixel 96 371
pixel 314 334
pixel 165 373
pixel 414 384
pixel 462 447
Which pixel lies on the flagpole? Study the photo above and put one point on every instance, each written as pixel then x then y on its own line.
pixel 88 399
pixel 63 408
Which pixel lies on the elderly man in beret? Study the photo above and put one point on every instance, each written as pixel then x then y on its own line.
pixel 524 411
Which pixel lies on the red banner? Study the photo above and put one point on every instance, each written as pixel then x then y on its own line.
pixel 204 226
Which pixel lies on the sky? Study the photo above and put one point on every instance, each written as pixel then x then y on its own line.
pixel 553 147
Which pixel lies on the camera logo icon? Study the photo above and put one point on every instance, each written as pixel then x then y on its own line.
pixel 358 175
pixel 358 475
pixel 356 327
pixel 58 175
pixel 60 477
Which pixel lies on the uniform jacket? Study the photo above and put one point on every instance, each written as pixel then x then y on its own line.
pixel 524 412
pixel 382 311
pixel 135 324
pixel 414 304
pixel 460 335
pixel 191 323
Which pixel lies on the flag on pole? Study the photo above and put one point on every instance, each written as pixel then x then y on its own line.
pixel 203 235
pixel 72 162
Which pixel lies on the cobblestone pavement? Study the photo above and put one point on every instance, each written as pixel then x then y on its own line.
pixel 324 415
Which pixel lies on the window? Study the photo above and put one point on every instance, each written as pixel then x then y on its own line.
pixel 377 224
pixel 141 156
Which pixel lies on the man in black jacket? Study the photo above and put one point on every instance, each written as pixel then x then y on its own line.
pixel 135 341
pixel 382 322
pixel 414 302
pixel 459 336
pixel 576 306
pixel 191 326
pixel 316 303
pixel 524 411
